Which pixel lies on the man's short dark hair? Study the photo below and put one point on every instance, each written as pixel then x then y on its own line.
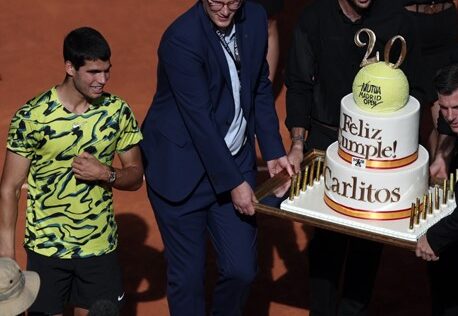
pixel 85 43
pixel 446 80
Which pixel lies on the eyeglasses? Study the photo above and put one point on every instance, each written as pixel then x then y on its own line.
pixel 218 5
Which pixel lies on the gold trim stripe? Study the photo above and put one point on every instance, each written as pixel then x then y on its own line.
pixel 385 215
pixel 381 164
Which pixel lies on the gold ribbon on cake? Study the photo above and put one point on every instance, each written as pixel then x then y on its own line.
pixel 385 215
pixel 380 164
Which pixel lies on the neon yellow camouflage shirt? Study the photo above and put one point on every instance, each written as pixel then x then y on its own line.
pixel 66 217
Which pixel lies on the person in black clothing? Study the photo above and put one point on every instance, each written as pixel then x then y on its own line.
pixel 442 238
pixel 322 64
pixel 436 24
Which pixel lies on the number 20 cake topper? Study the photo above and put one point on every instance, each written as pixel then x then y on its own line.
pixel 380 87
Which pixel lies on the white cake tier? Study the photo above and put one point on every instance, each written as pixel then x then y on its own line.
pixel 372 193
pixel 375 140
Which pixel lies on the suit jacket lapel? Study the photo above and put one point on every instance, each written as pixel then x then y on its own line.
pixel 215 45
pixel 244 44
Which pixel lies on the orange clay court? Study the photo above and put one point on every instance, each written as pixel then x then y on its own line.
pixel 31 35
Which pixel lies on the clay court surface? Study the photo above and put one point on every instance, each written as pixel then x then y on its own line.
pixel 31 34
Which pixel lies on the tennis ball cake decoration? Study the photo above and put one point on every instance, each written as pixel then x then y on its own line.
pixel 380 86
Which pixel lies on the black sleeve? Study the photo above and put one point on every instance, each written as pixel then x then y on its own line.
pixel 299 79
pixel 444 233
pixel 410 66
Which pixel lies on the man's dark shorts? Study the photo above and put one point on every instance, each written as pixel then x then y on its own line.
pixel 78 282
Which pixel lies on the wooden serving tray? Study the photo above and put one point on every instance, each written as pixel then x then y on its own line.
pixel 309 207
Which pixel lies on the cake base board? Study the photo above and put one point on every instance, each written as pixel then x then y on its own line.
pixel 310 207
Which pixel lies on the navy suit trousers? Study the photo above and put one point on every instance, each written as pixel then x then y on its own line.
pixel 185 227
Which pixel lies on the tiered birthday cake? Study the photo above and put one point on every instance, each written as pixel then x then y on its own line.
pixel 375 177
pixel 376 169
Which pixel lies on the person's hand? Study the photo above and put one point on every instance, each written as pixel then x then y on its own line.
pixel 438 170
pixel 87 167
pixel 295 157
pixel 243 198
pixel 280 190
pixel 276 165
pixel 424 250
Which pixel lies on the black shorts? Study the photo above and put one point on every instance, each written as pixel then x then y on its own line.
pixel 79 282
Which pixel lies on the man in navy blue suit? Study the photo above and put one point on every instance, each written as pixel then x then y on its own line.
pixel 213 96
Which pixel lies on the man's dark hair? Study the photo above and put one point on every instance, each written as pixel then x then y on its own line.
pixel 446 80
pixel 85 43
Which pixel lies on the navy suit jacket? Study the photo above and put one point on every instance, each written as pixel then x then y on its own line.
pixel 193 106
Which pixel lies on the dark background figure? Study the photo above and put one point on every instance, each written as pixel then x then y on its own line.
pixel 436 24
pixel 440 243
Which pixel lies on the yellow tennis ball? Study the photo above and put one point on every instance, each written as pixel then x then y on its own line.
pixel 380 88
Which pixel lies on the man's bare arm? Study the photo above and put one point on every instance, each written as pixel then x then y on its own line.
pixel 129 177
pixel 15 172
pixel 296 152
